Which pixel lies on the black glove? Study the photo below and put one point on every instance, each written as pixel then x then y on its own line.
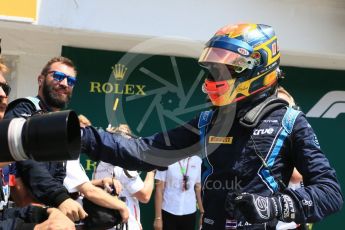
pixel 261 209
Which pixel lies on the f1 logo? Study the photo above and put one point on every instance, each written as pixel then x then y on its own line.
pixel 329 106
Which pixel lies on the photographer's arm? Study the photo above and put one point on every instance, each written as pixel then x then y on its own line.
pixel 16 224
pixel 43 186
pixel 34 217
pixel 56 220
pixel 48 190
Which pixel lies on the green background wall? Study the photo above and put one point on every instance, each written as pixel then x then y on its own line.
pixel 167 101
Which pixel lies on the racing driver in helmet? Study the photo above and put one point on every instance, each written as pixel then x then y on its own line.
pixel 250 141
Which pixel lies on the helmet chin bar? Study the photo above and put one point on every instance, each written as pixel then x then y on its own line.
pixel 223 93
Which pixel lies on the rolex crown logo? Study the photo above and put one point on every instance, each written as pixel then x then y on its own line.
pixel 119 71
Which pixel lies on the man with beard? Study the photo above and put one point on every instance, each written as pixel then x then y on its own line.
pixel 44 180
pixel 28 217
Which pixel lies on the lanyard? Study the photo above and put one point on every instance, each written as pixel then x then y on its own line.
pixel 182 169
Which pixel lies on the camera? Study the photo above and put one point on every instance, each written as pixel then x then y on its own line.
pixel 52 136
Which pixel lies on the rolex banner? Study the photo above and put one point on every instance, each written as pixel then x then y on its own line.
pixel 155 92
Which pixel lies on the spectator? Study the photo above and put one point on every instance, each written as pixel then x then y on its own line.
pixel 78 183
pixel 134 189
pixel 178 189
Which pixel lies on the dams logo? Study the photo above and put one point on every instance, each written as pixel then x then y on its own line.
pixel 329 106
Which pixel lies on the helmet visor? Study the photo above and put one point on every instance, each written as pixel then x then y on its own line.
pixel 227 57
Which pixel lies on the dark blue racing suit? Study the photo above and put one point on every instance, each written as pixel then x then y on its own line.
pixel 239 159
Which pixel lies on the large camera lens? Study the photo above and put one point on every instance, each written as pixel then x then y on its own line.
pixel 48 137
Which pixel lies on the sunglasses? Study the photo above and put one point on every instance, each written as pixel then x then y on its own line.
pixel 59 76
pixel 6 88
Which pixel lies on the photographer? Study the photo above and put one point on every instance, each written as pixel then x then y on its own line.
pixel 44 180
pixel 181 182
pixel 27 217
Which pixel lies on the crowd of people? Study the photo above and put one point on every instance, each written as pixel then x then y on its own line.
pixel 253 134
